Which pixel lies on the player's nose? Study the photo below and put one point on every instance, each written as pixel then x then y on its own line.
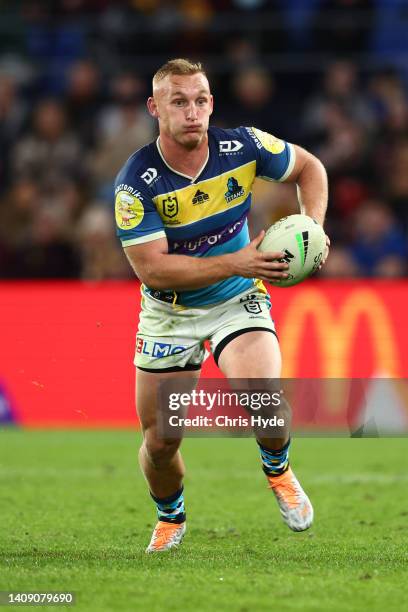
pixel 192 112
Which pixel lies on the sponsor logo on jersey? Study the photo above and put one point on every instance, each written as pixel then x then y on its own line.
pixel 204 243
pixel 129 210
pixel 230 146
pixel 234 190
pixel 149 175
pixel 200 197
pixel 170 207
pixel 270 143
pixel 129 189
pixel 254 138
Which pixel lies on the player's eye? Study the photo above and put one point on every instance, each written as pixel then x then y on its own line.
pixel 202 101
pixel 178 102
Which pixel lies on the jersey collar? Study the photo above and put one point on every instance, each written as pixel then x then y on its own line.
pixel 190 178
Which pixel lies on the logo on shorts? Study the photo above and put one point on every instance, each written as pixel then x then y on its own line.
pixel 139 345
pixel 158 349
pixel 200 197
pixel 162 349
pixel 253 307
pixel 251 304
pixel 234 190
pixel 170 207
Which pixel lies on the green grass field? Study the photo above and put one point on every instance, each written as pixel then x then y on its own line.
pixel 75 515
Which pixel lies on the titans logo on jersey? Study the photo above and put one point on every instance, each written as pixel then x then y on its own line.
pixel 204 216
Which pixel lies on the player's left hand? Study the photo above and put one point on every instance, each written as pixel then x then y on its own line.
pixel 326 253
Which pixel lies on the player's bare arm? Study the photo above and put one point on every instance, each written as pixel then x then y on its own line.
pixel 158 269
pixel 310 177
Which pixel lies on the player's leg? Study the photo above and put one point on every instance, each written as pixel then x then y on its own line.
pixel 247 347
pixel 160 459
pixel 237 353
pixel 167 349
pixel 239 359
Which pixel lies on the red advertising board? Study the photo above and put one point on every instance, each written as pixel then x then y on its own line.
pixel 67 348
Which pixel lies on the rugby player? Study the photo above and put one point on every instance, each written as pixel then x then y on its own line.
pixel 181 206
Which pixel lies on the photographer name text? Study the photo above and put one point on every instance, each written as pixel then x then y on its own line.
pixel 225 421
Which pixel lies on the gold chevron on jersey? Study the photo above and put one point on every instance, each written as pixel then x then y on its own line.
pixel 225 191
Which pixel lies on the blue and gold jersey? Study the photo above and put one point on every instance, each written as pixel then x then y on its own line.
pixel 204 216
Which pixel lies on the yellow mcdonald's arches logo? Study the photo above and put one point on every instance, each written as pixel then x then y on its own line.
pixel 336 332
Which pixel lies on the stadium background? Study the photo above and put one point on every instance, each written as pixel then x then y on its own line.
pixel 330 75
pixel 75 510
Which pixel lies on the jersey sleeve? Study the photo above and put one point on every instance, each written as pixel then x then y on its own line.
pixel 275 157
pixel 137 219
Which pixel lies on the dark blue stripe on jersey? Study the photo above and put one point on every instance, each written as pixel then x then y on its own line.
pixel 200 245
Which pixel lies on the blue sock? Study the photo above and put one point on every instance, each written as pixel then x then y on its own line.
pixel 171 509
pixel 275 462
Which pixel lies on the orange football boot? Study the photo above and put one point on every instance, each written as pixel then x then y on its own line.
pixel 294 504
pixel 166 536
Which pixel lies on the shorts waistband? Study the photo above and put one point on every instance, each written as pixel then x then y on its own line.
pixel 168 300
pixel 163 296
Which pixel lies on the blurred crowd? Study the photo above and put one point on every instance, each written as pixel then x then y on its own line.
pixel 74 77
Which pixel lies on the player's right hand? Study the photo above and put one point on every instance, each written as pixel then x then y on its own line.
pixel 251 263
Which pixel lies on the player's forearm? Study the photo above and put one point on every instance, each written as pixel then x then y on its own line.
pixel 312 189
pixel 184 273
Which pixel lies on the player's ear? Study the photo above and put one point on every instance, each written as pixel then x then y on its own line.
pixel 152 107
pixel 211 104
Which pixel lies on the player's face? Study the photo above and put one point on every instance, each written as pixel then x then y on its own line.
pixel 183 105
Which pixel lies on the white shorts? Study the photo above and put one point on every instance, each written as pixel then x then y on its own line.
pixel 171 338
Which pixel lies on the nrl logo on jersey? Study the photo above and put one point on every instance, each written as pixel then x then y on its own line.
pixel 149 176
pixel 200 197
pixel 230 147
pixel 170 207
pixel 234 190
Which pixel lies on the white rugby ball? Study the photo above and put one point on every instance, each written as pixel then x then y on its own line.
pixel 302 240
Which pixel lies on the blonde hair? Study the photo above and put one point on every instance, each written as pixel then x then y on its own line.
pixel 177 66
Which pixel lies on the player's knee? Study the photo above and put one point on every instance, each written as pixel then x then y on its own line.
pixel 160 452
